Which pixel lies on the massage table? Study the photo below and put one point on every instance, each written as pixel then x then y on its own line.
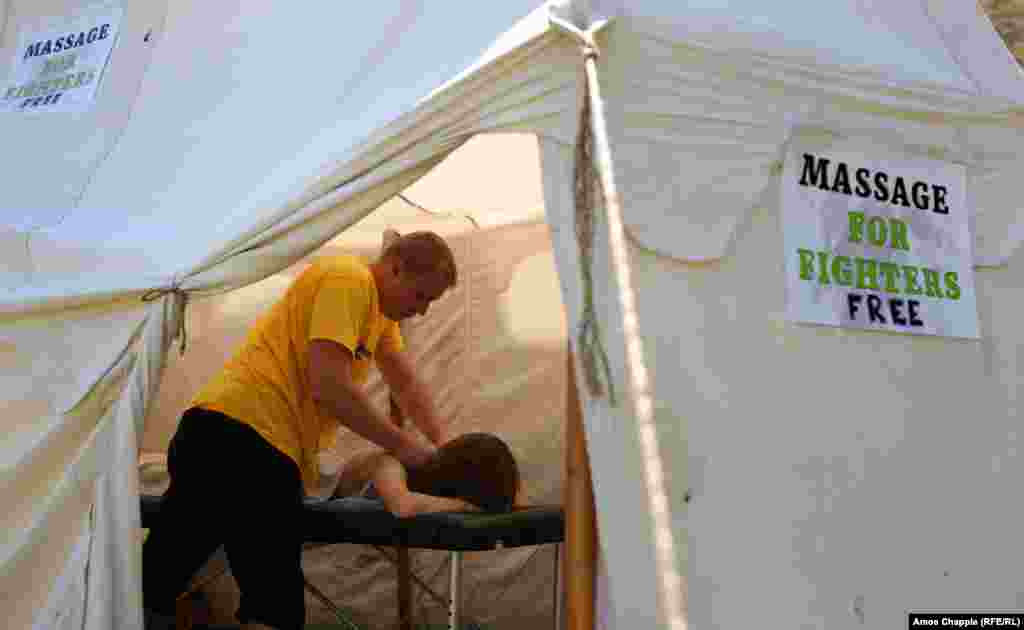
pixel 362 521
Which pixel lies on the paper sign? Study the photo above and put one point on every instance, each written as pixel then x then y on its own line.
pixel 58 68
pixel 878 242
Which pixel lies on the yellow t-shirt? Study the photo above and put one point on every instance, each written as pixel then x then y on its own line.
pixel 266 384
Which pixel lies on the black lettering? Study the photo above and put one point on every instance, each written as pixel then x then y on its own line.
pixel 896 312
pixel 899 193
pixel 912 306
pixel 45 50
pixel 80 41
pixel 30 51
pixel 842 181
pixel 875 309
pixel 814 175
pixel 881 190
pixel 58 45
pixel 939 192
pixel 104 31
pixel 863 182
pixel 853 300
pixel 93 34
pixel 919 193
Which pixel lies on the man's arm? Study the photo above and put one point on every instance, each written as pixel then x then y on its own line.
pixel 412 395
pixel 389 478
pixel 331 386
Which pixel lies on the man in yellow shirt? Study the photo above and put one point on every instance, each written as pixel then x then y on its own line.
pixel 246 449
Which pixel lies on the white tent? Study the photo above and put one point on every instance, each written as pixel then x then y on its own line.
pixel 221 148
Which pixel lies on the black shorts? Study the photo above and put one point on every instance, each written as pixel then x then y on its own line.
pixel 230 487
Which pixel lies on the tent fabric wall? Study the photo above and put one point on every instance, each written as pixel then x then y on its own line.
pixel 841 477
pixel 58 451
pixel 57 155
pixel 240 102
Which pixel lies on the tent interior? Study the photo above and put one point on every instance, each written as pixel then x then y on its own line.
pixel 493 351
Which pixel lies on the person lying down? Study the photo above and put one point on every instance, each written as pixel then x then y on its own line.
pixel 471 473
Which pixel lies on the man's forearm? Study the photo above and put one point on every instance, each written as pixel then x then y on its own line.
pixel 353 409
pixel 416 403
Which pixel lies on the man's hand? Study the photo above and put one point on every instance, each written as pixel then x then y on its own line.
pixel 443 436
pixel 415 454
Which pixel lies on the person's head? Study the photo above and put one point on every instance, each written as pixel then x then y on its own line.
pixel 413 271
pixel 476 467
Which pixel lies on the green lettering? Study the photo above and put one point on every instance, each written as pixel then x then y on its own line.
pixel 806 264
pixel 823 268
pixel 931 283
pixel 867 274
pixel 899 235
pixel 952 285
pixel 49 66
pixel 856 220
pixel 910 275
pixel 842 271
pixel 877 231
pixel 890 271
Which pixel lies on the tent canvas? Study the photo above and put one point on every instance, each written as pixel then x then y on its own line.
pixel 844 518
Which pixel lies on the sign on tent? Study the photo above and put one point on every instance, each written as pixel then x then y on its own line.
pixel 879 241
pixel 58 68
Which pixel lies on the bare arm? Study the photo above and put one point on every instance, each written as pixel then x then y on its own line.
pixel 330 381
pixel 389 478
pixel 411 394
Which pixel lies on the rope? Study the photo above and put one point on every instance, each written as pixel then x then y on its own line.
pixel 437 214
pixel 181 301
pixel 671 584
pixel 588 338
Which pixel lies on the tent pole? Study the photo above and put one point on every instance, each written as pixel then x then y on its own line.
pixel 580 549
pixel 670 582
pixel 404 566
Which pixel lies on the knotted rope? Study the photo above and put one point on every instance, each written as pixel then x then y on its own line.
pixel 589 340
pixel 180 302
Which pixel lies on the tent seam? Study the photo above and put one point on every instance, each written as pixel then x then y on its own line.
pixel 951 51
